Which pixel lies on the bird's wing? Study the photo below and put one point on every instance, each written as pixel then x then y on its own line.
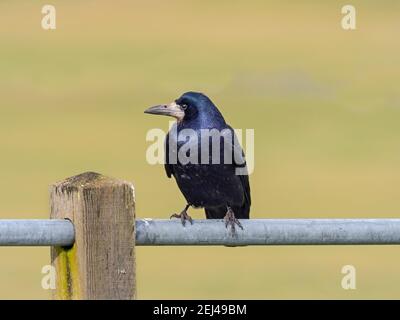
pixel 239 161
pixel 168 168
pixel 244 179
pixel 238 156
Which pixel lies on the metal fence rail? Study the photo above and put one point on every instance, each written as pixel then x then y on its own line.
pixel 270 232
pixel 158 232
pixel 97 214
pixel 46 232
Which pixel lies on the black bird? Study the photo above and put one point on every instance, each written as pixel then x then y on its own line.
pixel 214 186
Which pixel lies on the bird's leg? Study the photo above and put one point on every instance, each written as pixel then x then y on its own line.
pixel 183 216
pixel 231 220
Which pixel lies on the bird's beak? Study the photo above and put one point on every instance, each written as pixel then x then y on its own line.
pixel 172 110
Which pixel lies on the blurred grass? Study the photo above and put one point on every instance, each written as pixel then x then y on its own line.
pixel 324 104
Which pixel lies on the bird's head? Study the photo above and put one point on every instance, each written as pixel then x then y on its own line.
pixel 186 107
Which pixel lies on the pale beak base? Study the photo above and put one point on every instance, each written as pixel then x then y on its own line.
pixel 172 110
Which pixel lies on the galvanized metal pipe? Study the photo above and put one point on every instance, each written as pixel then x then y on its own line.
pixel 159 232
pixel 270 232
pixel 36 232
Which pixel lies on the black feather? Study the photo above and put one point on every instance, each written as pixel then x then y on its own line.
pixel 211 186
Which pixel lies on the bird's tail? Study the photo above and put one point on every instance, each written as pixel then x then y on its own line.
pixel 241 212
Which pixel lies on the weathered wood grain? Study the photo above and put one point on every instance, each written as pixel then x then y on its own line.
pixel 101 263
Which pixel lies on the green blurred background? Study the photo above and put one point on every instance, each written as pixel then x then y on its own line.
pixel 324 103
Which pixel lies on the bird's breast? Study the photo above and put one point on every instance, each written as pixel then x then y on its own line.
pixel 199 169
pixel 209 185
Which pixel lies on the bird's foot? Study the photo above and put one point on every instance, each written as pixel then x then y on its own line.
pixel 183 216
pixel 231 221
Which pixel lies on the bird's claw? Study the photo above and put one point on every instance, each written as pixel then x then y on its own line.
pixel 183 216
pixel 230 220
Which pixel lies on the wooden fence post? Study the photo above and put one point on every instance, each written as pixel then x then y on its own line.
pixel 101 263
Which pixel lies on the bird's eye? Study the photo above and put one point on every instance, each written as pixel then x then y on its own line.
pixel 184 106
